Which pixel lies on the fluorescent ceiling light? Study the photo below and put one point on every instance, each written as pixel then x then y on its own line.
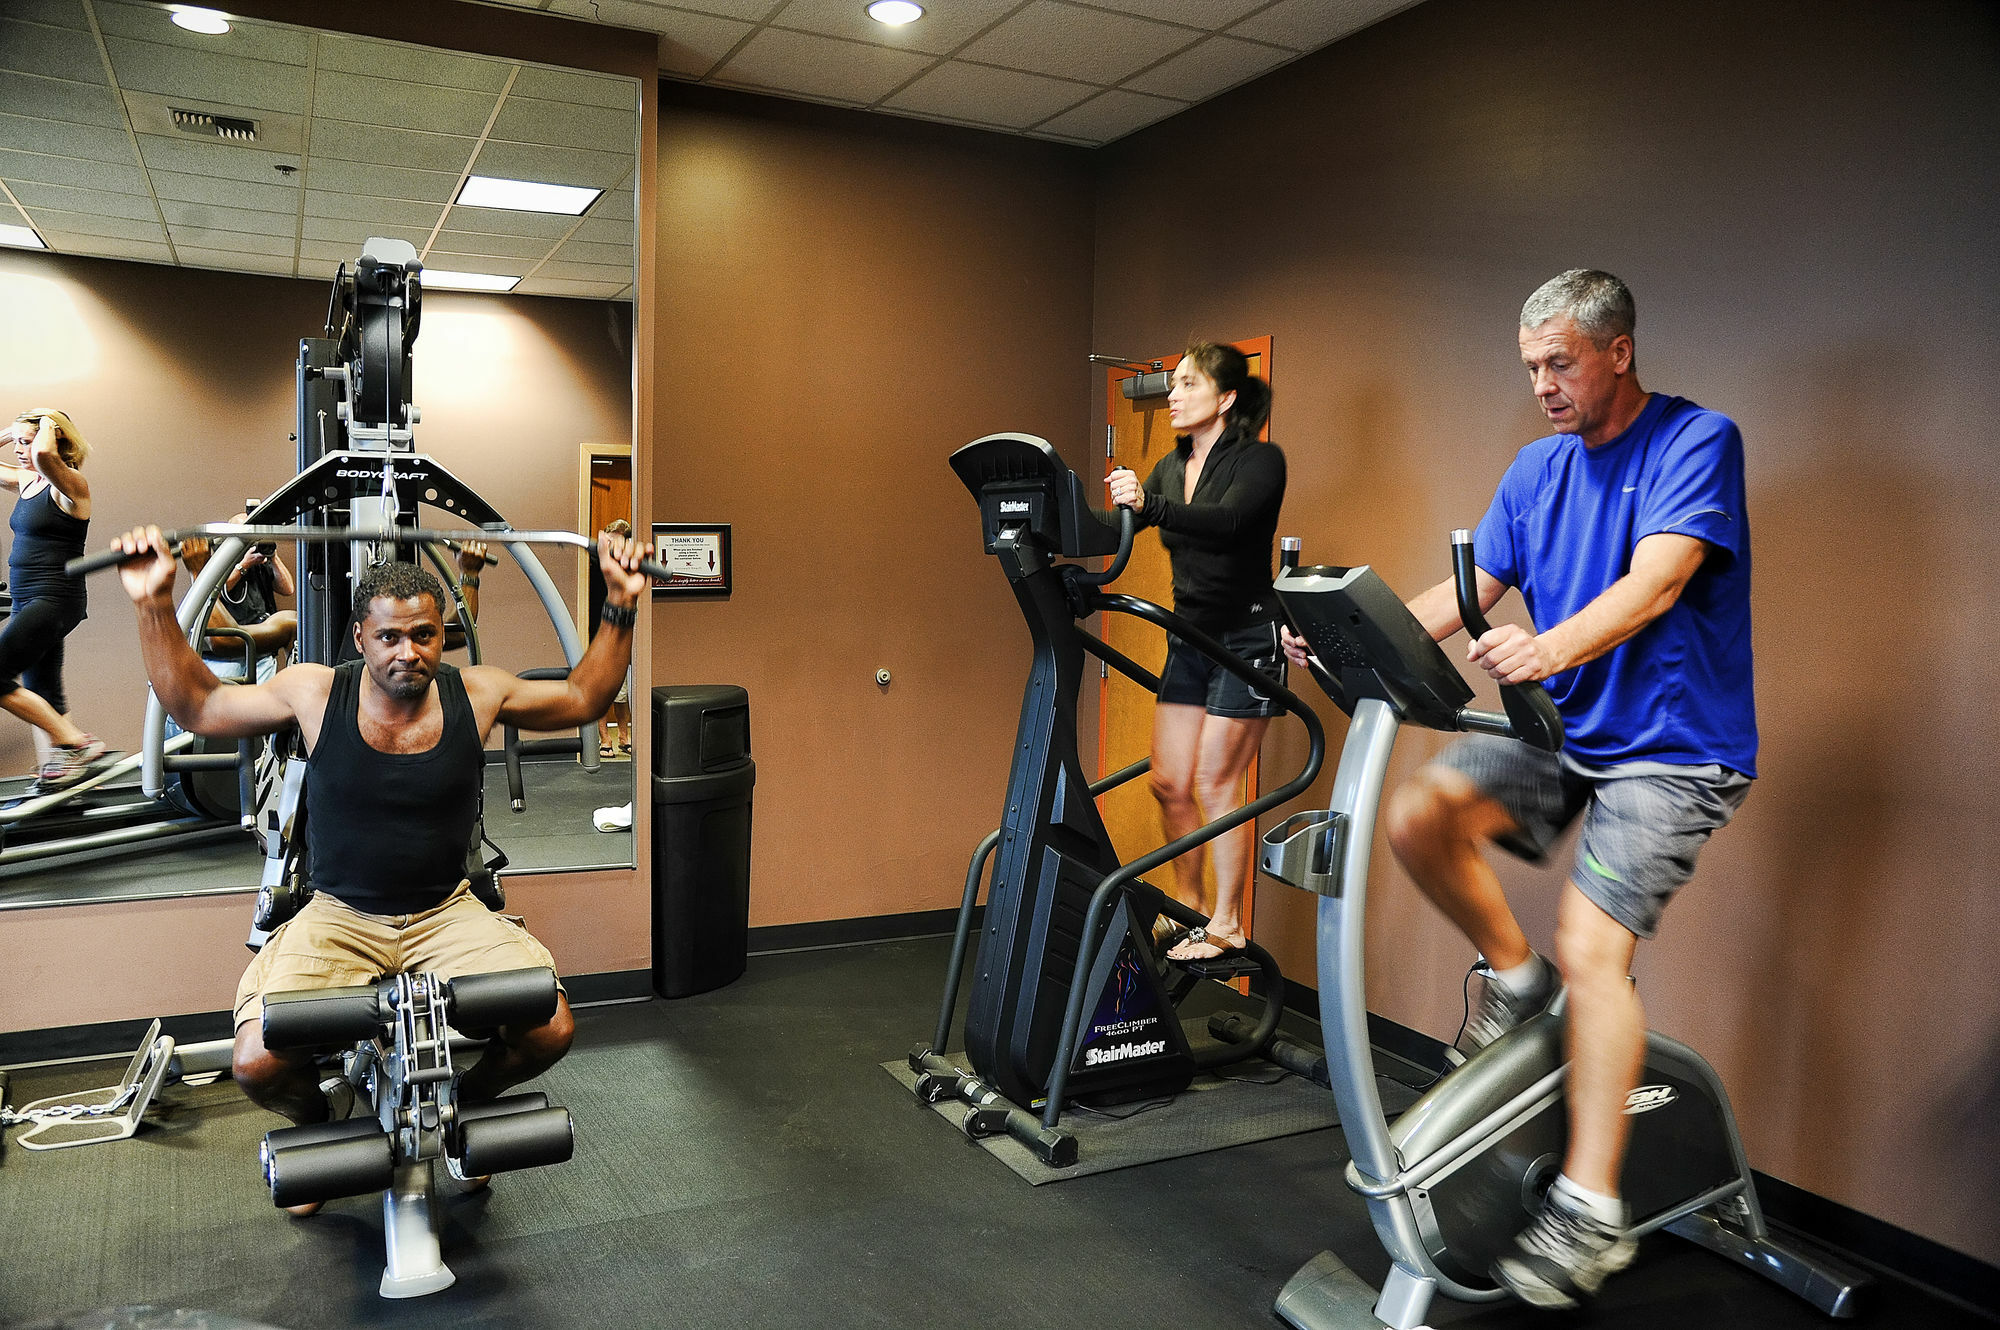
pixel 895 13
pixel 485 191
pixel 210 22
pixel 444 279
pixel 21 237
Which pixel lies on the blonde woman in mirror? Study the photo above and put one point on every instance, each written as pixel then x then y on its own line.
pixel 51 522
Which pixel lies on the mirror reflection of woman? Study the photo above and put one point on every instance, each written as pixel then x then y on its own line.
pixel 1215 499
pixel 51 522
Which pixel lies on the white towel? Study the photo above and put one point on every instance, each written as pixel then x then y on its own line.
pixel 613 819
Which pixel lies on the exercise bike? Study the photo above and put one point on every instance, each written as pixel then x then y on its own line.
pixel 1464 1169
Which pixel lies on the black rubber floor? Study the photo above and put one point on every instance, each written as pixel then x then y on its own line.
pixel 743 1162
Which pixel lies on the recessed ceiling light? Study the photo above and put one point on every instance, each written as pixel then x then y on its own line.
pixel 485 191
pixel 209 22
pixel 895 13
pixel 443 279
pixel 21 237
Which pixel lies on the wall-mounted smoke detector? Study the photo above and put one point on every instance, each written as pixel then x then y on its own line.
pixel 209 125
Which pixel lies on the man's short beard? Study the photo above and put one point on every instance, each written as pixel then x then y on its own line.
pixel 403 687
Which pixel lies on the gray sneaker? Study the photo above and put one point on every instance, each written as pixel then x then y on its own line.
pixel 1564 1256
pixel 1500 1009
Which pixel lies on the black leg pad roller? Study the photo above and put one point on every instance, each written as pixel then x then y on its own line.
pixel 515 1140
pixel 327 1169
pixel 505 997
pixel 500 1108
pixel 315 1018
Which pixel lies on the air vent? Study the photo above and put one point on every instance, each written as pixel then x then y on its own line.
pixel 230 127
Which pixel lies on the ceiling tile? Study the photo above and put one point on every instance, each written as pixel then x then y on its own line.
pixel 498 264
pixel 1070 42
pixel 554 166
pixel 389 212
pixel 213 77
pixel 691 44
pixel 55 13
pixel 208 215
pixel 985 95
pixel 68 171
pixel 328 252
pixel 550 286
pixel 378 101
pixel 246 39
pixel 391 182
pixel 1110 116
pixel 582 251
pixel 943 28
pixel 216 158
pixel 1307 25
pixel 82 200
pixel 59 99
pixel 277 265
pixel 338 230
pixel 1208 14
pixel 228 193
pixel 110 247
pixel 90 143
pixel 576 88
pixel 585 272
pixel 523 120
pixel 616 204
pixel 1218 64
pixel 819 67
pixel 512 247
pixel 604 231
pixel 61 53
pixel 345 141
pixel 410 64
pixel 228 241
pixel 507 222
pixel 49 221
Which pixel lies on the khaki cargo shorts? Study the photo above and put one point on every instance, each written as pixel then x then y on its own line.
pixel 329 944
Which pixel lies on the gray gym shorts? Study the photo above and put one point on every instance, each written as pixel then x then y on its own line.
pixel 1641 832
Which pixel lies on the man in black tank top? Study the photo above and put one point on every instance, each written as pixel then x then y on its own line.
pixel 396 744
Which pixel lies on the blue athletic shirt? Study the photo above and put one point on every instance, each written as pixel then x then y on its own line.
pixel 1562 528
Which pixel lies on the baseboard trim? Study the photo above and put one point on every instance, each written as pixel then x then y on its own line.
pixel 856 932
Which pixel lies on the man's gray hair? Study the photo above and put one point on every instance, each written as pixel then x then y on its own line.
pixel 1599 303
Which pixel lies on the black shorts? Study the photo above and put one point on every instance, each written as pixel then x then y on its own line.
pixel 1192 679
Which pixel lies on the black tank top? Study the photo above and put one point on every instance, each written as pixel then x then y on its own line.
pixel 387 832
pixel 45 538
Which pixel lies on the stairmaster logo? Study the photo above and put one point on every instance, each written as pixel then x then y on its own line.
pixel 1649 1097
pixel 1098 1057
pixel 1014 505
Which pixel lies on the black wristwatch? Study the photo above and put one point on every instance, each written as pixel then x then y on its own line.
pixel 619 616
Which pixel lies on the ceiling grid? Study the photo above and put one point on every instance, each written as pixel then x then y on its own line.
pixel 360 137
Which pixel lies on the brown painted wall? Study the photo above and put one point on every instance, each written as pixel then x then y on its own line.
pixel 183 382
pixel 1802 197
pixel 843 301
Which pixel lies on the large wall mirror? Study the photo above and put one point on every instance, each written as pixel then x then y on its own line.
pixel 192 195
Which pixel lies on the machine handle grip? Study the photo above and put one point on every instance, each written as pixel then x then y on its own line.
pixel 1530 710
pixel 86 564
pixel 1128 526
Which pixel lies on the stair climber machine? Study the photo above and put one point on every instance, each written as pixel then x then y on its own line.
pixel 1464 1169
pixel 354 504
pixel 1069 1003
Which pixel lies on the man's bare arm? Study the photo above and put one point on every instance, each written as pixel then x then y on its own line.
pixel 1662 565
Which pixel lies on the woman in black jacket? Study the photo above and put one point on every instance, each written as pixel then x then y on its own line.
pixel 1215 499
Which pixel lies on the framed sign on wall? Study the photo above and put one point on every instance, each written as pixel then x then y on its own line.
pixel 696 554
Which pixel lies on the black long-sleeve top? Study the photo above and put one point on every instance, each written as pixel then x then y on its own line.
pixel 1220 543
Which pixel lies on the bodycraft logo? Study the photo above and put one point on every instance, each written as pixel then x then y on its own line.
pixel 1649 1097
pixel 1098 1057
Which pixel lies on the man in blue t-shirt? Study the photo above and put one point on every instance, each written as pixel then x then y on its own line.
pixel 1627 535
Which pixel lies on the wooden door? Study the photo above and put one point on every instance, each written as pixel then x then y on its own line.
pixel 1139 436
pixel 604 495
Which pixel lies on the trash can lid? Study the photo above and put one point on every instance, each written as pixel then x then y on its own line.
pixel 699 728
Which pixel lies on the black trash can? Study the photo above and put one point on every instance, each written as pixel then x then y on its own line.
pixel 702 777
